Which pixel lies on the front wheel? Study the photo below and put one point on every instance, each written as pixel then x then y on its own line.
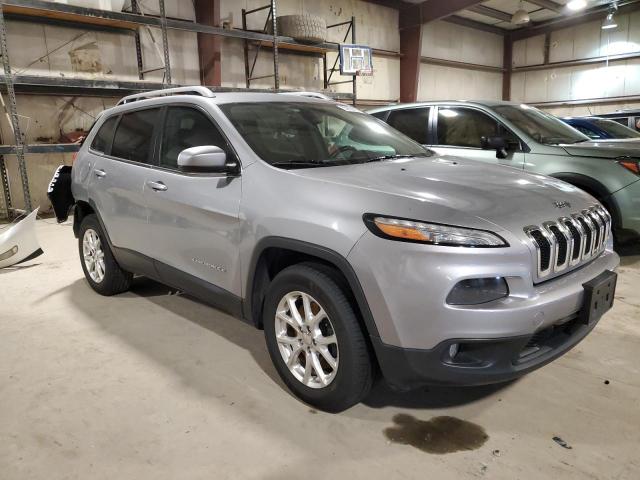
pixel 315 340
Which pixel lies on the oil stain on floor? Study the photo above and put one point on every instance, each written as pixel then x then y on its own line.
pixel 439 435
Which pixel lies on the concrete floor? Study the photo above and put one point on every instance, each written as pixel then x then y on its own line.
pixel 153 385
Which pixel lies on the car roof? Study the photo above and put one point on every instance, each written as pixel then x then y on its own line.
pixel 587 118
pixel 163 97
pixel 477 103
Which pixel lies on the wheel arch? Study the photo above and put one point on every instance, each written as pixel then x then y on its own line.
pixel 594 188
pixel 273 254
pixel 80 210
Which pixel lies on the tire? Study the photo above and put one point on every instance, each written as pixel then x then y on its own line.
pixel 351 380
pixel 303 28
pixel 114 279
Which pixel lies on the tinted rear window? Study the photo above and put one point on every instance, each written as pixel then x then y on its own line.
pixel 102 140
pixel 412 122
pixel 133 136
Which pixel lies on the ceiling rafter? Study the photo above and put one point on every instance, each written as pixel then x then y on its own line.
pixel 549 5
pixel 466 22
pixel 490 12
pixel 431 10
pixel 585 16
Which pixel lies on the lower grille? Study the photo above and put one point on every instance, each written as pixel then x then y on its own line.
pixel 570 240
pixel 548 338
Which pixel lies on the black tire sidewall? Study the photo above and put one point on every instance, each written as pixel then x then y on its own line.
pixel 115 279
pixel 346 387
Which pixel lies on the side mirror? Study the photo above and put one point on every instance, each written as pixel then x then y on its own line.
pixel 207 158
pixel 499 144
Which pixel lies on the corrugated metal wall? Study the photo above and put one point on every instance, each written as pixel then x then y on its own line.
pixel 619 78
pixel 447 41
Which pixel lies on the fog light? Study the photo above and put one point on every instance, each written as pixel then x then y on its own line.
pixel 453 350
pixel 475 291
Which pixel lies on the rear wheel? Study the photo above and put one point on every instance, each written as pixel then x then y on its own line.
pixel 315 340
pixel 100 268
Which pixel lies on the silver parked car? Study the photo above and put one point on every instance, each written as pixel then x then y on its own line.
pixel 524 137
pixel 354 247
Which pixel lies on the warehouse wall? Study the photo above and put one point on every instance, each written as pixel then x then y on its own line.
pixel 443 40
pixel 376 26
pixel 619 78
pixel 54 51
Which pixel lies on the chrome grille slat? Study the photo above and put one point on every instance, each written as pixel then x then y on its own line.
pixel 569 241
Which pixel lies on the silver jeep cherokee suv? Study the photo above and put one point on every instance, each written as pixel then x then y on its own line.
pixel 355 248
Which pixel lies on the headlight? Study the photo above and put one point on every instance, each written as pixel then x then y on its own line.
pixel 433 233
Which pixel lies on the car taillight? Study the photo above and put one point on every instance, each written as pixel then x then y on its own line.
pixel 631 165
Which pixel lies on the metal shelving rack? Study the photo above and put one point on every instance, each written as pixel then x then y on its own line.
pixel 277 43
pixel 42 11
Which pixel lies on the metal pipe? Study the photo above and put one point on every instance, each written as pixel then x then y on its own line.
pixel 13 108
pixel 276 61
pixel 165 45
pixel 353 40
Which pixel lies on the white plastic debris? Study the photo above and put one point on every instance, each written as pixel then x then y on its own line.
pixel 19 242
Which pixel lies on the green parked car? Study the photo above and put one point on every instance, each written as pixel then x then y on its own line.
pixel 524 137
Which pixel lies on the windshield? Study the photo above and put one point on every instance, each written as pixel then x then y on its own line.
pixel 305 135
pixel 614 128
pixel 541 126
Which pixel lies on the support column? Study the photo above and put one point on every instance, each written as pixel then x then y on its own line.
pixel 410 49
pixel 507 65
pixel 208 13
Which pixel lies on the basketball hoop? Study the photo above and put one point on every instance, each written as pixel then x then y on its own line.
pixel 364 72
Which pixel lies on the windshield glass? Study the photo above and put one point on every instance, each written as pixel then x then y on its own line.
pixel 614 128
pixel 305 135
pixel 541 126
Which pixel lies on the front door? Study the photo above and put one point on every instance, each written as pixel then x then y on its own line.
pixel 194 224
pixel 459 130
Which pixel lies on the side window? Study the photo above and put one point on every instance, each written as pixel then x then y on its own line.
pixel 464 127
pixel 186 127
pixel 134 135
pixel 587 131
pixel 380 115
pixel 412 122
pixel 102 140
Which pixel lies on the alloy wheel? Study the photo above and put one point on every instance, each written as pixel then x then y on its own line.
pixel 306 339
pixel 93 255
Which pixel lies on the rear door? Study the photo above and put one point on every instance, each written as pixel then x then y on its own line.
pixel 121 161
pixel 194 225
pixel 458 131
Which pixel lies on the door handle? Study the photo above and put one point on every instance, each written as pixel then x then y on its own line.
pixel 99 173
pixel 157 186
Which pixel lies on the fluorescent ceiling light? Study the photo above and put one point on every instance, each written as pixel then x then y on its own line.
pixel 577 4
pixel 609 22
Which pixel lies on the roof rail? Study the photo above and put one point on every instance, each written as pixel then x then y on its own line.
pixel 195 90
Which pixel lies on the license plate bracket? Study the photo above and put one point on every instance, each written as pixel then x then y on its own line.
pixel 598 296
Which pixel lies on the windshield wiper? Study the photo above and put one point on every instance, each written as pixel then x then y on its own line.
pixel 393 157
pixel 297 164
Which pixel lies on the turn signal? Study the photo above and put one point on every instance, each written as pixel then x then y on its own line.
pixel 631 165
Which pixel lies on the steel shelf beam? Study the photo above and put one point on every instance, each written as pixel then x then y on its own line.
pixel 82 15
pixel 42 148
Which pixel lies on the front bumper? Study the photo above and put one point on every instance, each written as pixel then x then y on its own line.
pixel 487 361
pixel 406 286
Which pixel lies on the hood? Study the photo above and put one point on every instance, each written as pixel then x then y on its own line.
pixel 456 191
pixel 609 149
